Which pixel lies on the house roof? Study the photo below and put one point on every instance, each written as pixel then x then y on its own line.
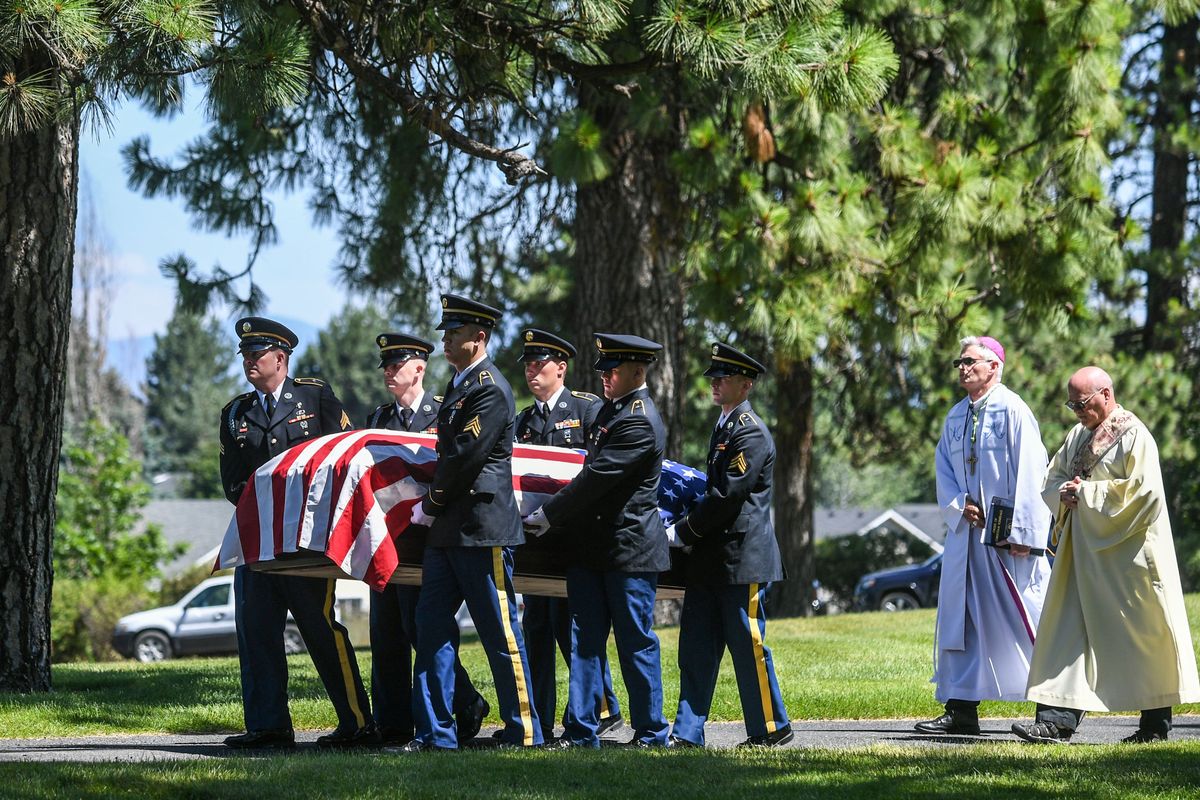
pixel 199 524
pixel 923 521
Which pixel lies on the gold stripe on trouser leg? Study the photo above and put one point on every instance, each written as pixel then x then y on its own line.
pixel 514 653
pixel 343 658
pixel 760 660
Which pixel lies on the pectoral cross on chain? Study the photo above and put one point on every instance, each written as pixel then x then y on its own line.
pixel 972 461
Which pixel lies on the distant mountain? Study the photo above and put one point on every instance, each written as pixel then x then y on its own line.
pixel 128 356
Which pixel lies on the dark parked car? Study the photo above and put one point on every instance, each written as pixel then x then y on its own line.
pixel 900 588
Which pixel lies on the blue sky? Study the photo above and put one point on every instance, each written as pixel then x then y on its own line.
pixel 296 273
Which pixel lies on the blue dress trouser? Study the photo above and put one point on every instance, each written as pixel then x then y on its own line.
pixel 715 618
pixel 261 604
pixel 547 621
pixel 482 577
pixel 393 637
pixel 622 602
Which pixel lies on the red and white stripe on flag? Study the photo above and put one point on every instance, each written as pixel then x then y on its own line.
pixel 349 495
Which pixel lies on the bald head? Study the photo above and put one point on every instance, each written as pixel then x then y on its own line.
pixel 1090 396
pixel 1090 379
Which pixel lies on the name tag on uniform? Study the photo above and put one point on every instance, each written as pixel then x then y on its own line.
pixel 301 418
pixel 568 423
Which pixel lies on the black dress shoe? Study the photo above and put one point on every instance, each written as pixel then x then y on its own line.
pixel 366 736
pixel 675 741
pixel 279 739
pixel 417 746
pixel 395 737
pixel 1144 737
pixel 949 724
pixel 1041 732
pixel 776 739
pixel 470 719
pixel 641 744
pixel 612 722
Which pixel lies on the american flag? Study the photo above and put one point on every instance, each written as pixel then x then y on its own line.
pixel 348 496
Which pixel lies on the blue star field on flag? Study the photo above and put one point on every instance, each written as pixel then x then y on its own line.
pixel 680 488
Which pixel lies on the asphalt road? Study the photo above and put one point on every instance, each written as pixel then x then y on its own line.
pixel 825 733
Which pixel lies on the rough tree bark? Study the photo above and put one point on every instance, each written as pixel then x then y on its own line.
pixel 1166 280
pixel 627 238
pixel 38 185
pixel 794 486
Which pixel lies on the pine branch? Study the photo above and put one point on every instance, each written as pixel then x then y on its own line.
pixel 515 166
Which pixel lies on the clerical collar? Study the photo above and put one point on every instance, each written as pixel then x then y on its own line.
pixel 459 377
pixel 622 397
pixel 976 403
pixel 552 402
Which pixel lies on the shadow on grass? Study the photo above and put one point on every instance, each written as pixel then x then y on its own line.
pixel 1090 773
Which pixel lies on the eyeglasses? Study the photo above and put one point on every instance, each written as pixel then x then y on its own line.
pixel 255 355
pixel 969 362
pixel 1077 405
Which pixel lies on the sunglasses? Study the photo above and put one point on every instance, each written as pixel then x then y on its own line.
pixel 1077 405
pixel 969 362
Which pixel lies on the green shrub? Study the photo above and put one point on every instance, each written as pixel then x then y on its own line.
pixel 85 611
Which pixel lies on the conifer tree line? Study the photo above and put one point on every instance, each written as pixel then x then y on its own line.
pixel 844 188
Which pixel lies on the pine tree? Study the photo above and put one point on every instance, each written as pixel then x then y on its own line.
pixel 188 380
pixel 345 354
pixel 62 63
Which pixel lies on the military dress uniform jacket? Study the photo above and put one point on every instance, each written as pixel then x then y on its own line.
pixel 730 530
pixel 612 504
pixel 307 409
pixel 424 418
pixel 567 425
pixel 471 497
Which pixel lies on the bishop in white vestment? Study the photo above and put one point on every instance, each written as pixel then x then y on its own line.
pixel 990 597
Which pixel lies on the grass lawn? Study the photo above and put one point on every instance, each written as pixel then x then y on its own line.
pixel 851 666
pixel 982 771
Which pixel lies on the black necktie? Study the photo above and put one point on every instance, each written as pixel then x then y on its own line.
pixel 270 406
pixel 406 415
pixel 543 412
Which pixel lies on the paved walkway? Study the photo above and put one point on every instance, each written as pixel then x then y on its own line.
pixel 826 733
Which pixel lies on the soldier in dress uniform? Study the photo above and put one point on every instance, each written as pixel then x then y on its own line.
pixel 474 523
pixel 619 546
pixel 281 413
pixel 403 358
pixel 558 417
pixel 734 557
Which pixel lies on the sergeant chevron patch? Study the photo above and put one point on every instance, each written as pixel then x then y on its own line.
pixel 474 427
pixel 739 463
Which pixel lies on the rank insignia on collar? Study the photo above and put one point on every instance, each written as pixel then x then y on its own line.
pixel 739 464
pixel 474 427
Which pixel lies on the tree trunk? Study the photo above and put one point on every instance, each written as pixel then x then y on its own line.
pixel 794 487
pixel 627 239
pixel 1166 278
pixel 38 185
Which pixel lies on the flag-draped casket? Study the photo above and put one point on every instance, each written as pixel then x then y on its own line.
pixel 339 507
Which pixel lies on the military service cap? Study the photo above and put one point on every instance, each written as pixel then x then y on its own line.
pixel 396 348
pixel 541 344
pixel 726 361
pixel 458 311
pixel 617 347
pixel 259 333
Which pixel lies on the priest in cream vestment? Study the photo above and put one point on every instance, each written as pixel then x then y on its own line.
pixel 1114 633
